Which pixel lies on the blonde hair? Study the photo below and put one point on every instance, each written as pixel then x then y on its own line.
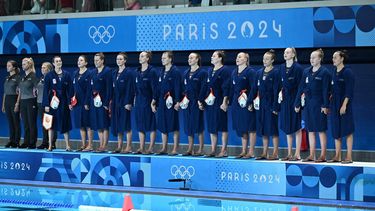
pixel 49 65
pixel 295 53
pixel 31 62
pixel 247 56
pixel 320 52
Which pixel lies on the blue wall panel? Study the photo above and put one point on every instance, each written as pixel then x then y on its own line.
pixel 348 26
pixel 319 181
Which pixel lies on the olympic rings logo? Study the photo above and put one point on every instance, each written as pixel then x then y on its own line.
pixel 182 172
pixel 101 34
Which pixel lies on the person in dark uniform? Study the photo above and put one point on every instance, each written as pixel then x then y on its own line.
pixel 166 102
pixel 217 100
pixel 98 100
pixel 194 80
pixel 9 103
pixel 243 115
pixel 314 89
pixel 145 81
pixel 268 87
pixel 58 83
pixel 46 68
pixel 342 120
pixel 28 104
pixel 122 102
pixel 290 121
pixel 80 112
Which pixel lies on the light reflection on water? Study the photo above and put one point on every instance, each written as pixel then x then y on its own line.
pixel 13 197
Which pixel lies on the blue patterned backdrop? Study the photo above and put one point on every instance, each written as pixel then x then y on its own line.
pixel 224 175
pixel 348 26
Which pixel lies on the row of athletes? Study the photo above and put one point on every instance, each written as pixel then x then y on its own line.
pixel 103 97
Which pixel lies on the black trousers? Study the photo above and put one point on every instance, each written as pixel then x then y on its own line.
pixel 29 113
pixel 45 132
pixel 13 119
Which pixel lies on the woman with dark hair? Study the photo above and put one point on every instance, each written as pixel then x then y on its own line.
pixel 217 100
pixel 80 112
pixel 342 120
pixel 243 115
pixel 46 68
pixel 146 78
pixel 28 104
pixel 9 103
pixel 290 121
pixel 98 100
pixel 267 111
pixel 166 102
pixel 58 84
pixel 194 80
pixel 122 102
pixel 313 89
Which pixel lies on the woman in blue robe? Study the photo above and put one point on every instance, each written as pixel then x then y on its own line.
pixel 268 87
pixel 290 121
pixel 58 83
pixel 243 116
pixel 145 81
pixel 98 100
pixel 216 103
pixel 122 102
pixel 342 120
pixel 194 80
pixel 80 112
pixel 313 89
pixel 166 102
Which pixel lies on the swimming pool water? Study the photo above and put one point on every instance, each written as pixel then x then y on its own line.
pixel 15 197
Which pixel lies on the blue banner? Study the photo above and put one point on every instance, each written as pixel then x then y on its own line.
pixel 344 26
pixel 221 175
pixel 350 183
pixel 226 30
pixel 113 34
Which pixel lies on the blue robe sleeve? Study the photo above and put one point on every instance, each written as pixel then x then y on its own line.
pixel 132 88
pixel 203 89
pixel 109 86
pixel 276 90
pixel 46 88
pixel 70 88
pixel 225 87
pixel 251 75
pixel 299 74
pixel 155 84
pixel 349 83
pixel 254 87
pixel 326 89
pixel 231 89
pixel 301 87
pixel 89 90
pixel 177 86
pixel 114 77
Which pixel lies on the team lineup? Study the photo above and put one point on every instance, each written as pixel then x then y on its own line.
pixel 261 102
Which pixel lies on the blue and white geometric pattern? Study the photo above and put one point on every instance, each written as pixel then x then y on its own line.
pixel 344 26
pixel 319 181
